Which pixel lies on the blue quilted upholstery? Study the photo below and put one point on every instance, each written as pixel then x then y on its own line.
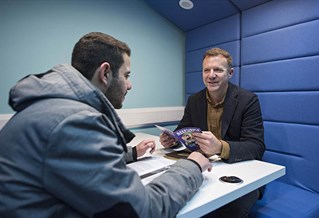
pixel 299 153
pixel 290 107
pixel 286 201
pixel 286 75
pixel 277 15
pixel 290 42
pixel 197 38
pixel 280 62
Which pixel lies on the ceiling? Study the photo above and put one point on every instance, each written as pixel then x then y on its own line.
pixel 203 12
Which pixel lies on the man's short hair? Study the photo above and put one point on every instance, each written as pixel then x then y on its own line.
pixel 95 48
pixel 219 51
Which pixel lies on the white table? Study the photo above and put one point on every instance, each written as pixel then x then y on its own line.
pixel 214 193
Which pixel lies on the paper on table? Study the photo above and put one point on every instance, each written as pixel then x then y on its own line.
pixel 149 164
pixel 149 168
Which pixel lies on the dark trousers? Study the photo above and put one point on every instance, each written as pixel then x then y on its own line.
pixel 238 208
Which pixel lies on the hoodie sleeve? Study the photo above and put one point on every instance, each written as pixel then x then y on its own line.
pixel 131 155
pixel 85 168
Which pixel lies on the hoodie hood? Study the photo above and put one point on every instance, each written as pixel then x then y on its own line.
pixel 62 81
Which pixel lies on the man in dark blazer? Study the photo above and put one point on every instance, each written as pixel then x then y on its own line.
pixel 231 120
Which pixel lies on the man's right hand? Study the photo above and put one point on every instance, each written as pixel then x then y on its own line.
pixel 201 160
pixel 166 140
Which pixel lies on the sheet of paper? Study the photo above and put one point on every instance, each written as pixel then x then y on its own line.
pixel 149 164
pixel 149 168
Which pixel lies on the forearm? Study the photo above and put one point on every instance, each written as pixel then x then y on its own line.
pixel 170 192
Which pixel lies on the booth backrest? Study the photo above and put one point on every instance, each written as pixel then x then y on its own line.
pixel 280 63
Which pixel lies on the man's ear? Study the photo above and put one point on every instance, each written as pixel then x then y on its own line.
pixel 230 73
pixel 105 72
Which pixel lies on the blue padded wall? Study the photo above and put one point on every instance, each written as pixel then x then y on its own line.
pixel 280 62
pixel 278 14
pixel 286 146
pixel 291 72
pixel 226 30
pixel 300 40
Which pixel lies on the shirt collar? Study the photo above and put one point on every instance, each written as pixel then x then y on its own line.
pixel 215 105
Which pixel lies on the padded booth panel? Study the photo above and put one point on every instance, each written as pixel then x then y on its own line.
pixel 290 42
pixel 290 107
pixel 194 82
pixel 280 63
pixel 219 32
pixel 287 75
pixel 296 147
pixel 278 14
pixel 286 201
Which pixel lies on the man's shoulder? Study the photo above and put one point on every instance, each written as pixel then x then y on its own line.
pixel 240 91
pixel 198 95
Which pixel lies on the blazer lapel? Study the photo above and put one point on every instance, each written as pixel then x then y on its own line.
pixel 229 108
pixel 202 109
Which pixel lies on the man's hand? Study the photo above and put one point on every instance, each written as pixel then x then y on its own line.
pixel 208 142
pixel 166 140
pixel 144 145
pixel 201 160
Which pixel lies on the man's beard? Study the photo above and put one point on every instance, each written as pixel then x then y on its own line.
pixel 113 95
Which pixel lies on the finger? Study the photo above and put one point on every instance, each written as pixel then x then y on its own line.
pixel 167 141
pixel 152 150
pixel 166 145
pixel 200 136
pixel 196 134
pixel 202 147
pixel 208 166
pixel 151 145
pixel 163 138
pixel 163 135
pixel 207 132
pixel 147 141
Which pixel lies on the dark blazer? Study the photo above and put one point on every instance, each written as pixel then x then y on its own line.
pixel 242 124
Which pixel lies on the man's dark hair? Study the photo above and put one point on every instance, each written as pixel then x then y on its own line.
pixel 95 48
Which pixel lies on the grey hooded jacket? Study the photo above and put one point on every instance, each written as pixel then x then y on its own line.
pixel 62 155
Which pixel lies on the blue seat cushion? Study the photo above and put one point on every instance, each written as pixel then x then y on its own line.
pixel 283 200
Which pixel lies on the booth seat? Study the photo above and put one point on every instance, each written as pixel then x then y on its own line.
pixel 296 194
pixel 284 200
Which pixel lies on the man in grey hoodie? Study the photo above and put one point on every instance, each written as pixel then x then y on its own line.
pixel 63 152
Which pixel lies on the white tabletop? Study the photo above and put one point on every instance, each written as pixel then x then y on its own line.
pixel 213 193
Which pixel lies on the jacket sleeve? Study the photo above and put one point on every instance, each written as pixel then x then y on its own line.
pixel 246 132
pixel 85 168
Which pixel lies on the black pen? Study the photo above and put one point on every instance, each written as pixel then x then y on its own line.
pixel 155 172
